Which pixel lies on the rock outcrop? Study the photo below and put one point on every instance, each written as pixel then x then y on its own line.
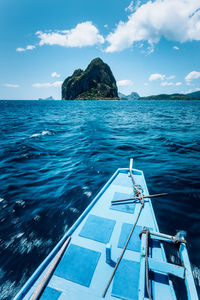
pixel 132 96
pixel 49 98
pixel 96 82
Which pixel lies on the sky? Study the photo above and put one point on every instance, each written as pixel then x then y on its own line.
pixel 152 47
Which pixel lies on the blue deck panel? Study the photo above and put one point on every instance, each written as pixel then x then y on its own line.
pixel 98 229
pixel 125 284
pixel 78 265
pixel 135 240
pixel 76 295
pixel 50 294
pixel 122 180
pixel 129 208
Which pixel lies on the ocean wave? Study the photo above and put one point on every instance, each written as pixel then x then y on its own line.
pixel 6 290
pixel 58 158
pixel 86 191
pixel 25 245
pixel 74 210
pixel 44 132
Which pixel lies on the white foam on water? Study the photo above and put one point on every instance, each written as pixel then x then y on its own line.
pixel 44 132
pixel 13 240
pixel 20 202
pixel 19 235
pixel 6 289
pixel 9 289
pixel 196 274
pixel 1 199
pixel 74 210
pixel 25 245
pixel 86 191
pixel 36 218
pixel 35 135
pixel 85 187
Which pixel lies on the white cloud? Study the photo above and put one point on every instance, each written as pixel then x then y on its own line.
pixel 11 85
pixel 19 49
pixel 124 82
pixel 191 76
pixel 190 91
pixel 170 77
pixel 130 7
pixel 29 47
pixel 175 20
pixel 47 84
pixel 146 84
pixel 55 74
pixel 176 48
pixel 84 34
pixel 156 76
pixel 166 83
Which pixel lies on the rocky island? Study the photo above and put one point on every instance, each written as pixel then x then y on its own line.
pixel 190 96
pixel 48 98
pixel 132 96
pixel 95 83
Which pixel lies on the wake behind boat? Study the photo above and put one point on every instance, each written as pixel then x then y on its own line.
pixel 113 251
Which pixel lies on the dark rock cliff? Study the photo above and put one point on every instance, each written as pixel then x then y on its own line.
pixel 96 82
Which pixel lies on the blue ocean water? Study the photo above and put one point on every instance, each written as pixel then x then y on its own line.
pixel 56 155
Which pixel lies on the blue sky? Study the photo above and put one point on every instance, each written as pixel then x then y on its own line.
pixel 151 46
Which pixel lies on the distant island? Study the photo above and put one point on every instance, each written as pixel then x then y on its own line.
pixel 98 83
pixel 95 83
pixel 135 96
pixel 190 96
pixel 132 96
pixel 48 98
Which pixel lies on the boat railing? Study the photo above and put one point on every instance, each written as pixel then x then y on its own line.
pixel 146 263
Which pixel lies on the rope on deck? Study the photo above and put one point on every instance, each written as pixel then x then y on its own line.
pixel 124 249
pixel 140 197
pixel 139 194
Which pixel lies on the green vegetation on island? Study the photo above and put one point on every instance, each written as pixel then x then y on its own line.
pixel 95 83
pixel 98 83
pixel 135 96
pixel 48 98
pixel 191 96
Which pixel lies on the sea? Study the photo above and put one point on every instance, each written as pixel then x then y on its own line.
pixel 56 155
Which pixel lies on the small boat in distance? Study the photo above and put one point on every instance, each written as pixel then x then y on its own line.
pixel 113 251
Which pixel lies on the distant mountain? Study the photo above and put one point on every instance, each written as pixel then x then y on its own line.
pixel 96 82
pixel 121 96
pixel 195 95
pixel 48 98
pixel 190 96
pixel 132 96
